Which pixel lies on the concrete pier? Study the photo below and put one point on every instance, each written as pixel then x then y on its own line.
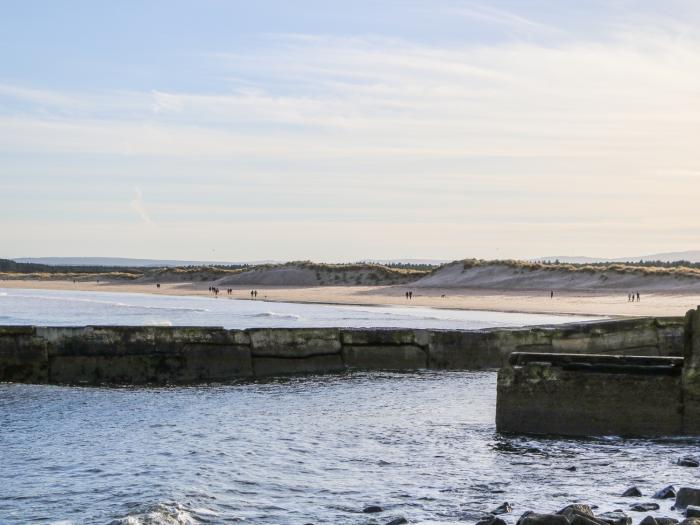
pixel 586 395
pixel 95 355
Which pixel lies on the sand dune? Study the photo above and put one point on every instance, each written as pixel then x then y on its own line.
pixel 511 277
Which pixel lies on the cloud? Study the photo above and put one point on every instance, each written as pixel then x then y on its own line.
pixel 582 136
pixel 138 206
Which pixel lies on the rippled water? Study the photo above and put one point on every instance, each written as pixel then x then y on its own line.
pixel 58 307
pixel 303 450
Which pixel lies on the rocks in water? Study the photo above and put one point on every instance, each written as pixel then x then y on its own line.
pixel 644 507
pixel 532 518
pixel 665 493
pixel 687 496
pixel 688 461
pixel 572 468
pixel 579 514
pixel 582 519
pixel 491 520
pixel 632 492
pixel 504 508
pixel 692 511
pixel 576 509
pixel 651 520
pixel 615 517
pixel 372 509
pixel 398 521
pixel 690 521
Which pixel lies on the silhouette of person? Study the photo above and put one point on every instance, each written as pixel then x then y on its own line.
pixel 637 296
pixel 551 294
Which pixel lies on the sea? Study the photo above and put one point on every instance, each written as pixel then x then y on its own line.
pixel 75 308
pixel 297 450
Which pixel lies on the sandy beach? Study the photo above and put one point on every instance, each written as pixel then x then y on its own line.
pixel 574 302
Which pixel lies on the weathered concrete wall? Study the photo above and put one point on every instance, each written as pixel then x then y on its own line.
pixel 575 395
pixel 599 395
pixel 691 372
pixel 141 355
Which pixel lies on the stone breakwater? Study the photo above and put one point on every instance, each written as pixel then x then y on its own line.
pixel 187 355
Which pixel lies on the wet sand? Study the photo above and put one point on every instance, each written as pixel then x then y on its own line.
pixel 608 303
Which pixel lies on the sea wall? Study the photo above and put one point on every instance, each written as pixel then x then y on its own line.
pixel 182 355
pixel 585 395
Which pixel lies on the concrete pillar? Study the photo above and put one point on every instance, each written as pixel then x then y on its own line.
pixel 691 373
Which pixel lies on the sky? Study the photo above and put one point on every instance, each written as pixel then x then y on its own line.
pixel 341 131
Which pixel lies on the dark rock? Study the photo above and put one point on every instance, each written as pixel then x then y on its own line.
pixel 398 521
pixel 651 520
pixel 692 511
pixel 532 518
pixel 504 508
pixel 582 519
pixel 372 509
pixel 687 496
pixel 571 468
pixel 632 492
pixel 690 521
pixel 688 461
pixel 580 515
pixel 491 520
pixel 616 517
pixel 665 493
pixel 576 508
pixel 644 507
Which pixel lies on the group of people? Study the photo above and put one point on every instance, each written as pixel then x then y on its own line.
pixel 409 295
pixel 253 294
pixel 631 297
pixel 216 291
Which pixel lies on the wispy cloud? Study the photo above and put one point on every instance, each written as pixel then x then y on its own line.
pixel 137 205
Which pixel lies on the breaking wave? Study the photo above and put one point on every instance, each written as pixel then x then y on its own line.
pixel 167 514
pixel 276 315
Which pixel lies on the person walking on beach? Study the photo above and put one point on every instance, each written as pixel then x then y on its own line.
pixel 637 296
pixel 406 295
pixel 410 295
pixel 551 294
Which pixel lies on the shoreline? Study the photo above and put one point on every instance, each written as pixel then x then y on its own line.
pixel 590 303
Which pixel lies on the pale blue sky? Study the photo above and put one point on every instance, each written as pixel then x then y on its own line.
pixel 347 130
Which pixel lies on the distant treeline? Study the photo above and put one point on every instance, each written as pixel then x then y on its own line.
pixel 7 265
pixel 646 264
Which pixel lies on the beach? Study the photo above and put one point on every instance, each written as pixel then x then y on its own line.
pixel 597 303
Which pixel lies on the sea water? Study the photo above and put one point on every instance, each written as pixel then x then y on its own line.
pixel 68 308
pixel 302 450
pixel 315 449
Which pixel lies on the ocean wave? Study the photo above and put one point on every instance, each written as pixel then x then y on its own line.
pixel 167 514
pixel 157 323
pixel 276 315
pixel 113 303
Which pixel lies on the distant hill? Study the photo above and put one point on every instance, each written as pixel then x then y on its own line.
pixel 126 262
